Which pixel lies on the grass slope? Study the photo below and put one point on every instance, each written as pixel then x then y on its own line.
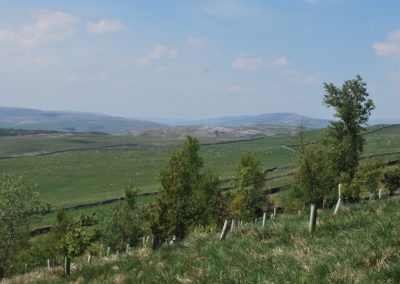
pixel 361 244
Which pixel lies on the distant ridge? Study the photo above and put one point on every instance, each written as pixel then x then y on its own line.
pixel 21 118
pixel 277 119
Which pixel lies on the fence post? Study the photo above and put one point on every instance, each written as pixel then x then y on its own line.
pixel 48 264
pixel 108 251
pixel 274 212
pixel 67 265
pixel 339 200
pixel 224 231
pixel 26 268
pixel 380 193
pixel 313 217
pixel 89 260
pixel 264 217
pixel 232 225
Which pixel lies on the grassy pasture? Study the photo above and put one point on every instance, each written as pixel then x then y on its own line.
pixel 66 179
pixel 71 178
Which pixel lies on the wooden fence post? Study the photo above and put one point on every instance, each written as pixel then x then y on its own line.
pixel 380 193
pixel 48 264
pixel 224 231
pixel 313 218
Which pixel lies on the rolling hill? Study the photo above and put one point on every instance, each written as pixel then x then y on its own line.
pixel 277 119
pixel 21 118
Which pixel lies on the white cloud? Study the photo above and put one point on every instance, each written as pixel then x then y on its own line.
pixel 48 27
pixel 198 41
pixel 244 63
pixel 238 89
pixel 104 26
pixel 390 48
pixel 301 78
pixel 6 36
pixel 280 61
pixel 158 52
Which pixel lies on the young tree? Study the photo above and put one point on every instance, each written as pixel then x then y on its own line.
pixel 314 178
pixel 124 223
pixel 366 180
pixel 17 202
pixel 250 182
pixel 352 108
pixel 208 200
pixel 72 236
pixel 391 179
pixel 179 179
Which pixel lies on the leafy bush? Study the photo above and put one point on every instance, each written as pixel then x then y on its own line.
pixel 391 179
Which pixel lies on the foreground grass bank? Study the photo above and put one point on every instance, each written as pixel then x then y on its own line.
pixel 361 244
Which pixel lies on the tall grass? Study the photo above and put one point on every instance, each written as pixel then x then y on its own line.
pixel 360 244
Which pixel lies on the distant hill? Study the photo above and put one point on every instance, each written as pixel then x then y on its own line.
pixel 206 132
pixel 20 118
pixel 277 119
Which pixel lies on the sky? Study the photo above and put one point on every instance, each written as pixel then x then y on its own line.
pixel 197 59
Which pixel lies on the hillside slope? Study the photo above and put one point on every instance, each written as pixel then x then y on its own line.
pixel 359 245
pixel 217 133
pixel 20 118
pixel 277 119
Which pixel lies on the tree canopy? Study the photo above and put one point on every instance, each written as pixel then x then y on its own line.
pixel 352 108
pixel 17 202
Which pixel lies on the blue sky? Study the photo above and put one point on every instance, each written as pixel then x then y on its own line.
pixel 196 59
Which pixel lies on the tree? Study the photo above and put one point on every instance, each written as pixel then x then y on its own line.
pixel 73 236
pixel 366 180
pixel 391 179
pixel 123 224
pixel 208 200
pixel 17 203
pixel 175 207
pixel 352 108
pixel 250 182
pixel 314 178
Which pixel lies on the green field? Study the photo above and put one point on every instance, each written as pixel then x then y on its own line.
pixel 71 178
